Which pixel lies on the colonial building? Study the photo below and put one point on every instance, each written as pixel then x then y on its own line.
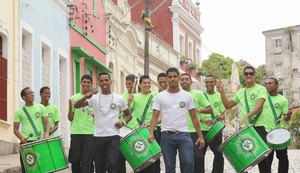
pixel 9 73
pixel 283 60
pixel 125 47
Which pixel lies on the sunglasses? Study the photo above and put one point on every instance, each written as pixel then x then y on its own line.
pixel 249 73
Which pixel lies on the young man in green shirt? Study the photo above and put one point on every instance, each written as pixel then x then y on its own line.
pixel 33 117
pixel 276 119
pixel 81 153
pixel 208 120
pixel 202 105
pixel 51 109
pixel 252 105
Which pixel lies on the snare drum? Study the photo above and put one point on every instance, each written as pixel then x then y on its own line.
pixel 138 151
pixel 43 156
pixel 279 139
pixel 213 131
pixel 245 149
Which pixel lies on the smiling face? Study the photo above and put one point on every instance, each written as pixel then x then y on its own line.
pixel 249 76
pixel 45 95
pixel 185 82
pixel 104 82
pixel 28 96
pixel 145 86
pixel 210 83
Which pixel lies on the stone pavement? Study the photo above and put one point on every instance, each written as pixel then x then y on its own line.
pixel 11 164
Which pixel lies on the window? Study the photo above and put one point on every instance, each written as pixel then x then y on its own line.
pixel 3 82
pixel 182 48
pixel 27 63
pixel 191 50
pixel 46 64
pixel 277 42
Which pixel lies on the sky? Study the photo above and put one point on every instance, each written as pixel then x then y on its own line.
pixel 233 28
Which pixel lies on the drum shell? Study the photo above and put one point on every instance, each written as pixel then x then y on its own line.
pixel 213 131
pixel 245 149
pixel 48 156
pixel 139 158
pixel 279 146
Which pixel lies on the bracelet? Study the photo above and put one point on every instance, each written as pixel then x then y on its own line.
pixel 124 122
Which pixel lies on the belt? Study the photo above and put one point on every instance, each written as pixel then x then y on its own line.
pixel 172 132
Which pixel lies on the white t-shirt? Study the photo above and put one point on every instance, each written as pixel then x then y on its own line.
pixel 175 109
pixel 106 113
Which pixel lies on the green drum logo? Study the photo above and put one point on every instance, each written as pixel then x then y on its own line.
pixel 247 145
pixel 30 158
pixel 139 146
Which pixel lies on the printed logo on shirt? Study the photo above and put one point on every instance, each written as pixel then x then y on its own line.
pixel 113 106
pixel 216 104
pixel 182 104
pixel 252 96
pixel 277 105
pixel 50 115
pixel 37 115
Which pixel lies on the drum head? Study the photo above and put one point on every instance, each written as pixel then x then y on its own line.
pixel 124 131
pixel 278 136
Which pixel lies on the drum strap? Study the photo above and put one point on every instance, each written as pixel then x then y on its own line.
pixel 31 122
pixel 145 110
pixel 211 114
pixel 248 110
pixel 273 109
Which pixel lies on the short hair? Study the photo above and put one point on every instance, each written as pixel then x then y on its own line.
pixel 249 67
pixel 86 76
pixel 273 78
pixel 186 74
pixel 143 78
pixel 161 75
pixel 172 69
pixel 23 91
pixel 210 75
pixel 104 73
pixel 131 77
pixel 43 89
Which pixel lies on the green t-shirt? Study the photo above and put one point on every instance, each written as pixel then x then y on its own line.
pixel 200 102
pixel 53 114
pixel 216 103
pixel 83 121
pixel 36 112
pixel 280 105
pixel 138 106
pixel 125 96
pixel 253 95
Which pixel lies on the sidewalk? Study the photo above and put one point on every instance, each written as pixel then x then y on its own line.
pixel 11 164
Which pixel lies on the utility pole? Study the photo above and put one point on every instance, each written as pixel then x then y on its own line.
pixel 147 21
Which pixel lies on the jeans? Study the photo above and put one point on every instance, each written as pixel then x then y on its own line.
pixel 218 162
pixel 107 154
pixel 182 142
pixel 283 161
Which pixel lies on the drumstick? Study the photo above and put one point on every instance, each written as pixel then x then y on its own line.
pixel 30 135
pixel 291 108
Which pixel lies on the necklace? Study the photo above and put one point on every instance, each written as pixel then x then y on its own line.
pixel 102 108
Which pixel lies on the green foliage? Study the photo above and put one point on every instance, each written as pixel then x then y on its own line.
pixel 217 65
pixel 220 66
pixel 294 128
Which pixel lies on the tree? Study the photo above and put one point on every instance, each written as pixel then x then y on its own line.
pixel 218 65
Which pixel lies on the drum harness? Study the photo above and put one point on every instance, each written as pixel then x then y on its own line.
pixel 213 117
pixel 248 110
pixel 276 118
pixel 31 122
pixel 145 110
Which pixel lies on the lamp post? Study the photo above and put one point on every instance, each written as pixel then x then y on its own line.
pixel 147 22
